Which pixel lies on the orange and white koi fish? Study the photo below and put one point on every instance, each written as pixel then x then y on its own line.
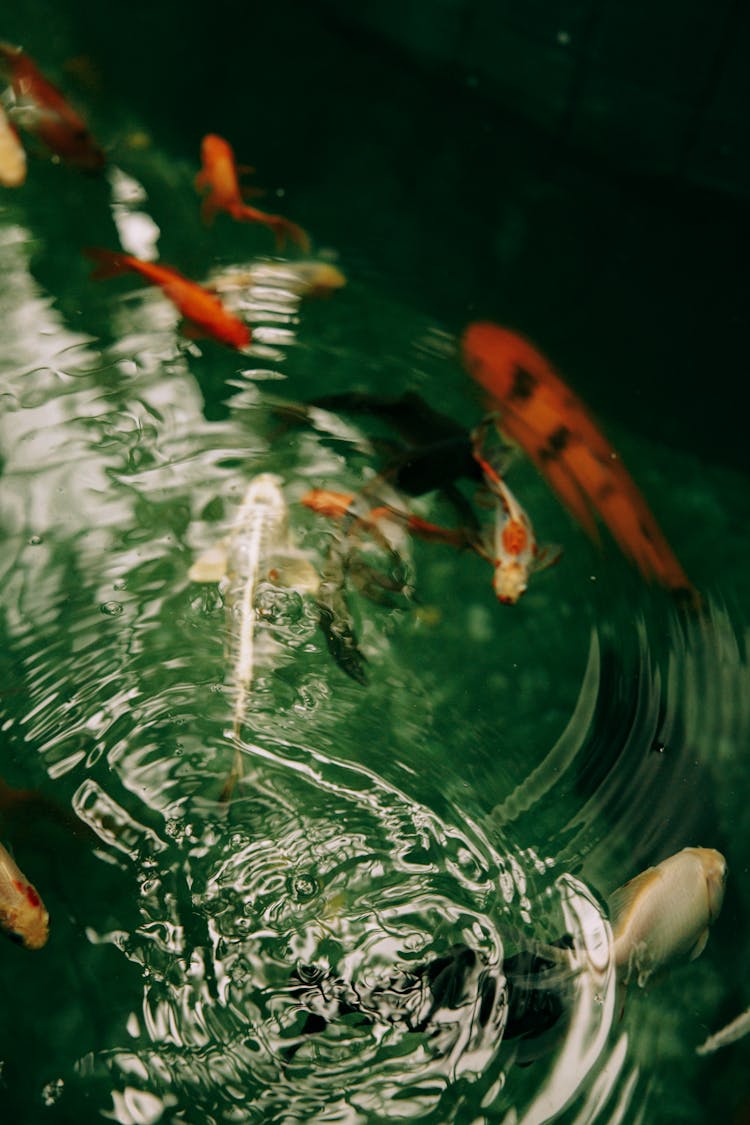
pixel 665 912
pixel 12 155
pixel 202 309
pixel 45 113
pixel 22 912
pixel 552 425
pixel 513 549
pixel 219 178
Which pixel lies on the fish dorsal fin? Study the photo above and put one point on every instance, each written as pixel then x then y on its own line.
pixel 211 566
pixel 623 900
pixel 699 946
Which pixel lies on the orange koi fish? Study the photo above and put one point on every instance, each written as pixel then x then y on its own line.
pixel 22 912
pixel 219 178
pixel 45 113
pixel 201 308
pixel 552 425
pixel 12 155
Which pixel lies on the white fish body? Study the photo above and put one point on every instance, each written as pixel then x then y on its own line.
pixel 22 912
pixel 256 549
pixel 665 912
pixel 12 154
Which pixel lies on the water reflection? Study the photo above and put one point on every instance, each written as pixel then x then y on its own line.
pixel 345 940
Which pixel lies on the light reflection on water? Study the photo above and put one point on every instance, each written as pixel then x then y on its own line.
pixel 356 847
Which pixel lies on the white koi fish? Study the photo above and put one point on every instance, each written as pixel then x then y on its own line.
pixel 257 549
pixel 665 912
pixel 22 912
pixel 12 154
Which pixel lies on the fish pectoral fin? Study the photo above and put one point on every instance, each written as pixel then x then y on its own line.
pixel 192 331
pixel 547 556
pixel 294 573
pixel 699 946
pixel 211 566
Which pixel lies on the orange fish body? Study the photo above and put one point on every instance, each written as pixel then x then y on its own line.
pixel 196 304
pixel 550 422
pixel 219 178
pixel 46 113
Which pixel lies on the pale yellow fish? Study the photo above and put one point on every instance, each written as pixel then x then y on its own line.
pixel 22 913
pixel 665 913
pixel 12 154
pixel 303 279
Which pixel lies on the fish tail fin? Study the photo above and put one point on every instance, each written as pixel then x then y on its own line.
pixel 208 210
pixel 107 263
pixel 284 228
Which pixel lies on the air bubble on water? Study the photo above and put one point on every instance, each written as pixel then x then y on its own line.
pixel 303 887
pixel 111 609
pixel 35 540
pixel 52 1091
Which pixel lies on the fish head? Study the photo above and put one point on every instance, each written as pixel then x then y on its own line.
pixel 715 871
pixel 510 581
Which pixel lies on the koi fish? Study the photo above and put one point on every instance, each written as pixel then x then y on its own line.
pixel 551 424
pixel 256 549
pixel 512 549
pixel 22 912
pixel 665 912
pixel 45 113
pixel 12 155
pixel 302 279
pixel 219 178
pixel 200 308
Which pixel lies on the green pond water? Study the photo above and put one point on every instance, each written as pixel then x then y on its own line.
pixel 504 768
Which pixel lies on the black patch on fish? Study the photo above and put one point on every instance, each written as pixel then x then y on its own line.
pixel 523 385
pixel 556 443
pixel 646 533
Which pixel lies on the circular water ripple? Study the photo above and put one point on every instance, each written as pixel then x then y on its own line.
pixel 299 988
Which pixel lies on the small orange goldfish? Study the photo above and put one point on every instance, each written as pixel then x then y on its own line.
pixel 545 417
pixel 45 113
pixel 22 912
pixel 12 155
pixel 219 177
pixel 201 308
